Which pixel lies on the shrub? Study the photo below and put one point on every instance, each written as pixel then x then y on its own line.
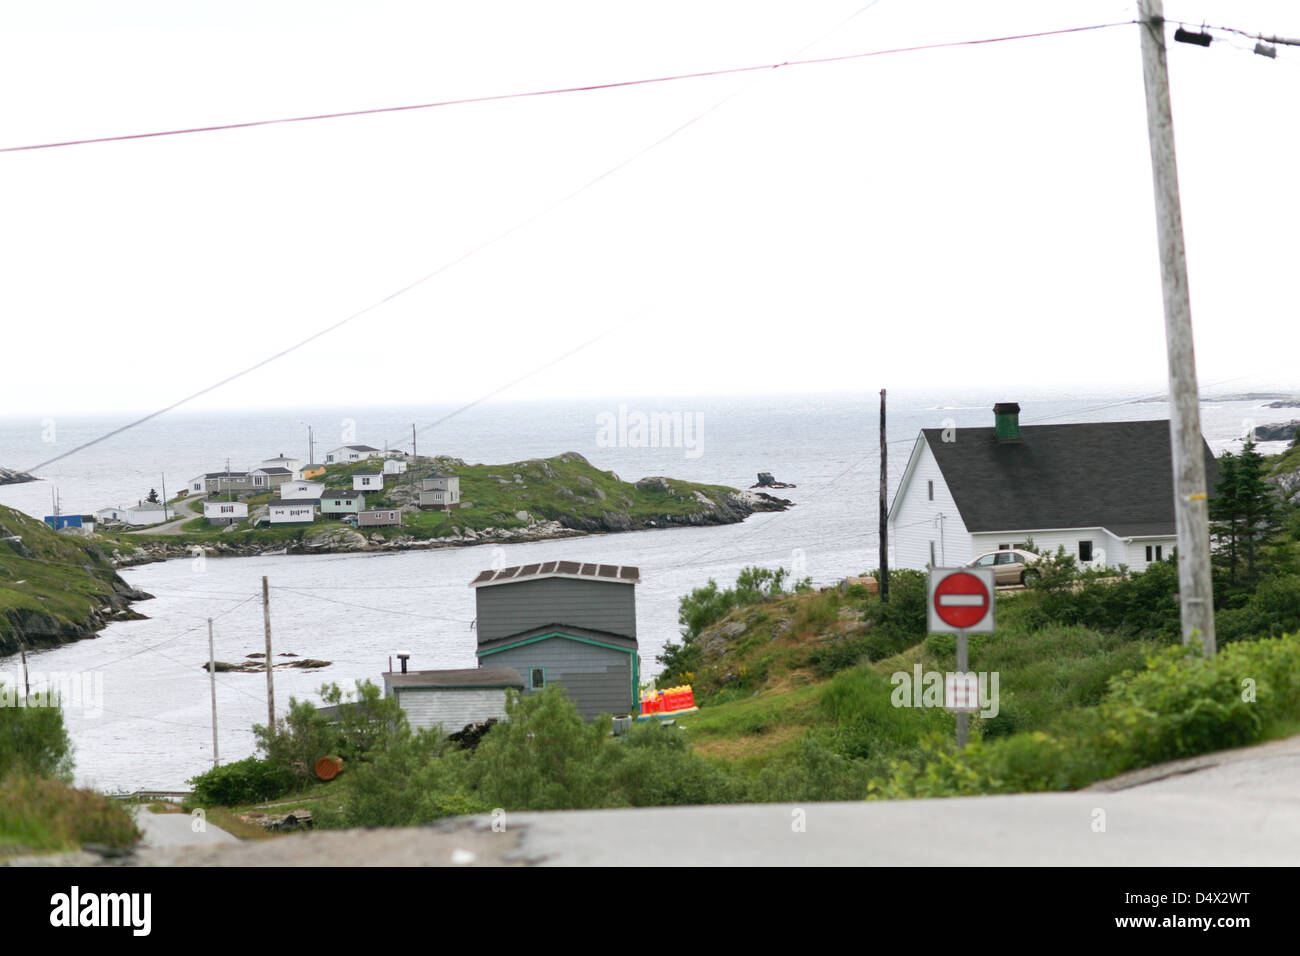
pixel 246 781
pixel 47 814
pixel 34 741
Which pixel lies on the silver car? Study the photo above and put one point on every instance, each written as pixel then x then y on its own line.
pixel 1010 566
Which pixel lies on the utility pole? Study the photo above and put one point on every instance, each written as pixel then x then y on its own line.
pixel 163 476
pixel 415 458
pixel 884 507
pixel 270 671
pixel 1191 506
pixel 212 681
pixel 27 686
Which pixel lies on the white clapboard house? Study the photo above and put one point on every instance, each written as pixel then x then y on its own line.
pixel 1102 490
pixel 452 699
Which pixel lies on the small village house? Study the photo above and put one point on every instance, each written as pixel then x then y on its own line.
pixel 312 470
pixel 72 524
pixel 220 512
pixel 294 465
pixel 267 479
pixel 301 489
pixel 349 453
pixel 292 511
pixel 342 501
pixel 224 482
pixel 440 491
pixel 394 466
pixel 367 480
pixel 565 623
pixel 379 517
pixel 452 699
pixel 111 514
pixel 146 512
pixel 1102 490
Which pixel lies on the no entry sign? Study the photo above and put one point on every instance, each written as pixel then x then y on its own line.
pixel 961 599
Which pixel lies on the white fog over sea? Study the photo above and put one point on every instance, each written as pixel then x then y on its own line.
pixel 150 726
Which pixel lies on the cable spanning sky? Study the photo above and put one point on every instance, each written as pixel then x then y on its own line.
pixel 968 215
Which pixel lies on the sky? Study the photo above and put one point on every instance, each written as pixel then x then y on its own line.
pixel 960 216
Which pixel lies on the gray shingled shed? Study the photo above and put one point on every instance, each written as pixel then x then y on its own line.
pixel 452 699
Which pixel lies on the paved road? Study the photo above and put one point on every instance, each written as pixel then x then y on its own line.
pixel 177 830
pixel 1238 807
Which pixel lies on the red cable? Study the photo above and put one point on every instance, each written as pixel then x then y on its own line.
pixel 566 89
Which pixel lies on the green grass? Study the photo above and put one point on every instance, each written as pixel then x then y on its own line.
pixel 47 816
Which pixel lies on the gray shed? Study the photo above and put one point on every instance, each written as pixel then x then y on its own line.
pixel 564 622
pixel 452 699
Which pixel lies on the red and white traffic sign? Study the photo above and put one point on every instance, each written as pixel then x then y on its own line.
pixel 961 599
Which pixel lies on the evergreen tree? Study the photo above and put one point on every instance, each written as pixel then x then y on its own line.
pixel 1246 518
pixel 152 497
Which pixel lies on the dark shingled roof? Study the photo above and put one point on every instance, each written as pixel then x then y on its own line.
pixel 1113 475
pixel 468 677
pixel 617 573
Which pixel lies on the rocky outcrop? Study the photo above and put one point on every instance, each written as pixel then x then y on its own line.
pixel 765 480
pixel 1280 431
pixel 10 477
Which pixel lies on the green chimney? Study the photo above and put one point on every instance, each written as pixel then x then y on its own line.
pixel 1006 421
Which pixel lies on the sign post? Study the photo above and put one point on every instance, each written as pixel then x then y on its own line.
pixel 961 602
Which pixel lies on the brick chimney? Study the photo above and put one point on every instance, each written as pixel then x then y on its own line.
pixel 1006 422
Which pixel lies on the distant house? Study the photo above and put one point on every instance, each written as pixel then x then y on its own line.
pixel 292 511
pixel 452 699
pixel 566 623
pixel 312 471
pixel 111 514
pixel 346 453
pixel 146 512
pixel 197 485
pixel 224 512
pixel 267 479
pixel 1102 490
pixel 379 517
pixel 440 491
pixel 294 465
pixel 367 480
pixel 394 466
pixel 301 489
pixel 68 522
pixel 342 502
pixel 222 482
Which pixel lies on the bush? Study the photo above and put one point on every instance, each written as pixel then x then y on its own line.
pixel 46 814
pixel 33 741
pixel 1272 609
pixel 900 622
pixel 246 781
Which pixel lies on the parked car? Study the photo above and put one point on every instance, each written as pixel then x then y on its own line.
pixel 1010 566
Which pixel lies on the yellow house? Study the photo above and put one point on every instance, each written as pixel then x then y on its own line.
pixel 311 471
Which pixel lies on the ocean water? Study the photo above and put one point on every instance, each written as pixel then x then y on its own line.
pixel 137 696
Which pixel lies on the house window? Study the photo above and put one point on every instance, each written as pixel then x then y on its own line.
pixel 1158 557
pixel 1148 554
pixel 1085 551
pixel 929 489
pixel 1004 547
pixel 537 678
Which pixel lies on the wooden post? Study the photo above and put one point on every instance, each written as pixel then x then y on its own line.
pixel 1191 507
pixel 883 574
pixel 270 671
pixel 27 687
pixel 212 682
pixel 963 665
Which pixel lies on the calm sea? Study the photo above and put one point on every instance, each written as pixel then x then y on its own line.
pixel 139 712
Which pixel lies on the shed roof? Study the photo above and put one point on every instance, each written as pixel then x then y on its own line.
pixel 465 678
pixel 612 573
pixel 294 501
pixel 1113 475
pixel 273 471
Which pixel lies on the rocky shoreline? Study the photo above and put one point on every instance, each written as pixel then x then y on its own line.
pixel 733 508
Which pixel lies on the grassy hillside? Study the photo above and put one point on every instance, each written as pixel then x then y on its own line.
pixel 53 587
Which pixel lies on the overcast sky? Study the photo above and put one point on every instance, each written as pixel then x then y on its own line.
pixel 964 216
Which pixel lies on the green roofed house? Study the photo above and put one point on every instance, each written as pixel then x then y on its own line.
pixel 342 501
pixel 563 622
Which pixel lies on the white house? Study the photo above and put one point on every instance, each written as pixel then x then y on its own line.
pixel 225 512
pixel 452 699
pixel 1102 490
pixel 301 489
pixel 292 511
pixel 346 453
pixel 111 514
pixel 146 512
pixel 294 465
pixel 367 480
pixel 394 466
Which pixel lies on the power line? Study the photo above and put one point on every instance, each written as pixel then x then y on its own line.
pixel 558 91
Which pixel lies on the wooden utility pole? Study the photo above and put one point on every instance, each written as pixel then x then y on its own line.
pixel 884 507
pixel 164 496
pixel 27 686
pixel 1191 507
pixel 212 681
pixel 270 671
